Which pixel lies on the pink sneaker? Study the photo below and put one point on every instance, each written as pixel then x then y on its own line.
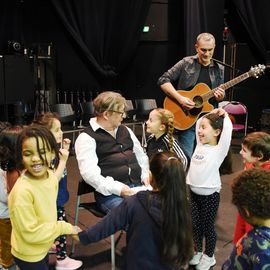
pixel 68 264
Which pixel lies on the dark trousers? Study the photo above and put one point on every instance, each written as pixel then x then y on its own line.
pixel 40 265
pixel 204 211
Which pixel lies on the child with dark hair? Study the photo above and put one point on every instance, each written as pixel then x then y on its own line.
pixel 9 173
pixel 52 122
pixel 256 154
pixel 158 221
pixel 213 136
pixel 160 125
pixel 251 195
pixel 32 200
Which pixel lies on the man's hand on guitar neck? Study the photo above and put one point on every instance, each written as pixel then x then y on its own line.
pixel 219 93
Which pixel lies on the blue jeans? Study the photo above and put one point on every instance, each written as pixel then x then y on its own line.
pixel 107 203
pixel 187 139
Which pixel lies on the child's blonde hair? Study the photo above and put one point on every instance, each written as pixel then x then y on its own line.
pixel 166 118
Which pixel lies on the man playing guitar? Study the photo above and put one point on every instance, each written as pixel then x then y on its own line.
pixel 188 72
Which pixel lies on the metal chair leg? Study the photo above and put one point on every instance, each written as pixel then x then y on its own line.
pixel 113 252
pixel 143 135
pixel 75 223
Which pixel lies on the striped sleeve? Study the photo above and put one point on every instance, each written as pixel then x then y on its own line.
pixel 178 151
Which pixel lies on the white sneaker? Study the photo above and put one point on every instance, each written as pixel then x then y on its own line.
pixel 68 264
pixel 206 262
pixel 196 258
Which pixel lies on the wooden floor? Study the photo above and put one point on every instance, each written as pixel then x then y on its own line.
pixel 97 256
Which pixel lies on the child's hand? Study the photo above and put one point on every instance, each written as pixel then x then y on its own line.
pixel 76 230
pixel 63 154
pixel 219 111
pixel 66 143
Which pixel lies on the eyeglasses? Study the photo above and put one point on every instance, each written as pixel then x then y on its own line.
pixel 123 114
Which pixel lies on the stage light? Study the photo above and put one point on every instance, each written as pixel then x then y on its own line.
pixel 15 47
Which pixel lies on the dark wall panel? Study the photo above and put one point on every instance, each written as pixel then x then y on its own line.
pixel 2 93
pixel 157 21
pixel 16 84
pixel 253 92
pixel 19 78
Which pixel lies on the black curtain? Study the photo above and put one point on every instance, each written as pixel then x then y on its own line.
pixel 203 16
pixel 11 23
pixel 107 32
pixel 254 16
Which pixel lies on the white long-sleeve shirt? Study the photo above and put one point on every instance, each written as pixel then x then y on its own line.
pixel 85 148
pixel 203 175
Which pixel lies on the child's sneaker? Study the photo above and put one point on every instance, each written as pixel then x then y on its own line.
pixel 12 267
pixel 196 258
pixel 68 264
pixel 206 262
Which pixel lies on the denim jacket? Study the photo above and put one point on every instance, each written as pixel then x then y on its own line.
pixel 186 73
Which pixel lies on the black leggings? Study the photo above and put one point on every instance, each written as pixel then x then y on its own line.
pixel 40 265
pixel 204 211
pixel 61 241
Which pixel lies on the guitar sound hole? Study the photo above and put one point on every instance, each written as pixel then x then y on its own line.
pixel 198 101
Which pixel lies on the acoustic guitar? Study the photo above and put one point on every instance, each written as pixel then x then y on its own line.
pixel 200 94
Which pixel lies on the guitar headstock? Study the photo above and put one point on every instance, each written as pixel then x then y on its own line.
pixel 257 71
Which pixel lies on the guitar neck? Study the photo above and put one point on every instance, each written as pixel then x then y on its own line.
pixel 226 85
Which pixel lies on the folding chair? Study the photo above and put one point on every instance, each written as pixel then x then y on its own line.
pixel 131 121
pixel 87 111
pixel 84 188
pixel 143 108
pixel 235 109
pixel 67 118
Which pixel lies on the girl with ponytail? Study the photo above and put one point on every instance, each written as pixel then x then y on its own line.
pixel 157 222
pixel 161 127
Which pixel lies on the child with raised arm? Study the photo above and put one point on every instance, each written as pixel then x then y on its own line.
pixel 213 135
pixel 160 126
pixel 52 122
pixel 9 173
pixel 158 221
pixel 32 201
pixel 255 152
pixel 251 195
